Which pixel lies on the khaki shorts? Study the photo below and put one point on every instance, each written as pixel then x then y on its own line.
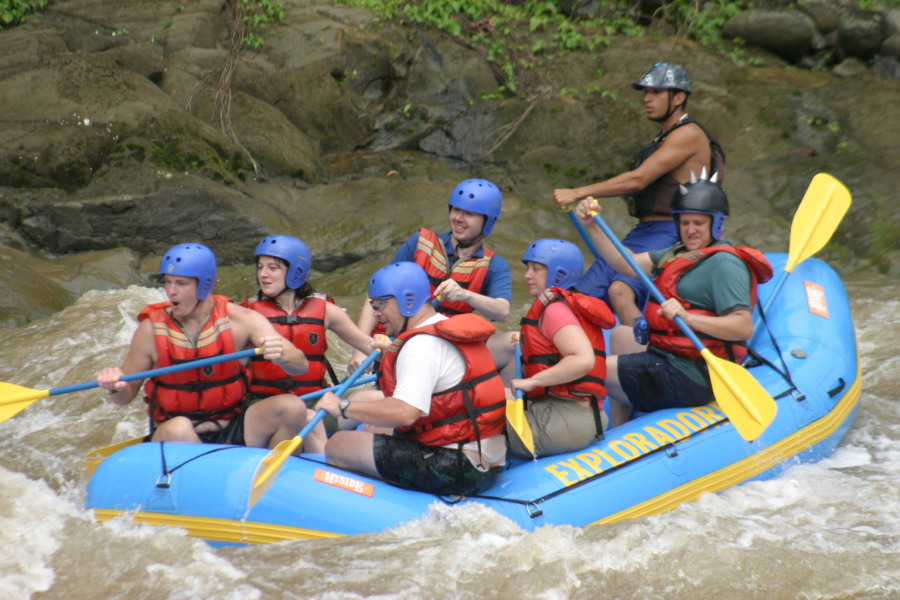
pixel 558 426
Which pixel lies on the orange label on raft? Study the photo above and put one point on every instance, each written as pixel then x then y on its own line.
pixel 815 299
pixel 344 482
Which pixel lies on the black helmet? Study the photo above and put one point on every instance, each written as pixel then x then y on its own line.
pixel 703 196
pixel 665 76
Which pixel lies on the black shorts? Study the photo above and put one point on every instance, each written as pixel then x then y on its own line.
pixel 652 383
pixel 434 469
pixel 233 433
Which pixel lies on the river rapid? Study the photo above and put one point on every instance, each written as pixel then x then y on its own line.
pixel 825 530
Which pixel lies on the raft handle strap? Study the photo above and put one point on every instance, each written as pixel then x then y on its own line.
pixel 165 479
pixel 841 384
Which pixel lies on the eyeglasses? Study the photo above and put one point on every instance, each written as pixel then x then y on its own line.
pixel 378 303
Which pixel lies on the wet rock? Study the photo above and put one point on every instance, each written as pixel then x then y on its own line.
pixel 860 34
pixel 787 33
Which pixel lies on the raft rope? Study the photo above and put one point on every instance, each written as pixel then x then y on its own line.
pixel 757 359
pixel 165 479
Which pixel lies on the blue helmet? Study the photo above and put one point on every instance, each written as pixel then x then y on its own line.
pixel 703 196
pixel 481 197
pixel 405 281
pixel 292 251
pixel 564 261
pixel 191 260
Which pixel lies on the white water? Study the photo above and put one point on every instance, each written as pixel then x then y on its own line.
pixel 825 530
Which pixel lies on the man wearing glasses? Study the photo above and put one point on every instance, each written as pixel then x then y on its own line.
pixel 440 414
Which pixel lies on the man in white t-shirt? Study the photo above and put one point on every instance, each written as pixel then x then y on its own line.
pixel 440 394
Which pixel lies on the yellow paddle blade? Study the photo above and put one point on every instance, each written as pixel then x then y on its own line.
pixel 269 467
pixel 515 416
pixel 744 401
pixel 15 398
pixel 92 459
pixel 820 212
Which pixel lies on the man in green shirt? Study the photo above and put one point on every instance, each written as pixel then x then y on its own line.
pixel 707 281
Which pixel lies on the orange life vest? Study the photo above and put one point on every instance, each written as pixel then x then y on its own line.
pixel 305 328
pixel 470 274
pixel 205 394
pixel 472 410
pixel 539 353
pixel 665 333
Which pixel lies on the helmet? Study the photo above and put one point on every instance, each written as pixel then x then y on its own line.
pixel 563 260
pixel 478 196
pixel 703 196
pixel 292 251
pixel 405 281
pixel 191 260
pixel 665 76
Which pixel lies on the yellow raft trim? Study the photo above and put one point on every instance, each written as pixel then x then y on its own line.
pixel 220 530
pixel 749 467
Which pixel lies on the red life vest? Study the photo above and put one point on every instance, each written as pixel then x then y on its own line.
pixel 205 394
pixel 665 333
pixel 305 328
pixel 470 411
pixel 656 198
pixel 470 274
pixel 539 353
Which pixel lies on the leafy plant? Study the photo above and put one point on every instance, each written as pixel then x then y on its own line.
pixel 12 12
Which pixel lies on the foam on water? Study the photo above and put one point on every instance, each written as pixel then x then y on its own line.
pixel 824 530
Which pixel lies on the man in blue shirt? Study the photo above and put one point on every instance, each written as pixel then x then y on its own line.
pixel 465 276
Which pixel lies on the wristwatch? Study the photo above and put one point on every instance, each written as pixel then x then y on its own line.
pixel 343 407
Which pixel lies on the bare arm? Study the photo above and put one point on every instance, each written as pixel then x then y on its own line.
pixel 684 149
pixel 384 412
pixel 577 360
pixel 735 326
pixel 605 246
pixel 495 309
pixel 339 322
pixel 141 357
pixel 249 328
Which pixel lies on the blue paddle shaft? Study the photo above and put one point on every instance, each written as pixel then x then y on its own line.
pixel 340 390
pixel 584 235
pixel 646 279
pixel 194 364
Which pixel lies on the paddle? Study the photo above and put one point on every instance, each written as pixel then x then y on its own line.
pixel 14 398
pixel 269 467
pixel 93 458
pixel 515 409
pixel 745 402
pixel 580 228
pixel 824 204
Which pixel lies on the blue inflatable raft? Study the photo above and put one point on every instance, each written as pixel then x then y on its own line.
pixel 650 465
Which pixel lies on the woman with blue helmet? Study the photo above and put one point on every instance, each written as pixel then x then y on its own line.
pixel 464 275
pixel 300 314
pixel 563 353
pixel 208 404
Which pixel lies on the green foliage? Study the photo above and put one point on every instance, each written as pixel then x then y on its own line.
pixel 256 14
pixel 12 12
pixel 520 36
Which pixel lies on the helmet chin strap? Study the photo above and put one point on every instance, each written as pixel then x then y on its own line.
pixel 671 111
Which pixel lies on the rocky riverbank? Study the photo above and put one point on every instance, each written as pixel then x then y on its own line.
pixel 349 132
